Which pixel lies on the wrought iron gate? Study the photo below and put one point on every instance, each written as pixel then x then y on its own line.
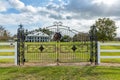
pixel 82 49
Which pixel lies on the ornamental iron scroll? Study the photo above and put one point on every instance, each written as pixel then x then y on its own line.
pixel 57 36
pixel 74 48
pixel 41 48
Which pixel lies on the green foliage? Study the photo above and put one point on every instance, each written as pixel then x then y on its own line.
pixel 47 31
pixel 80 37
pixel 66 38
pixel 4 34
pixel 44 30
pixel 106 29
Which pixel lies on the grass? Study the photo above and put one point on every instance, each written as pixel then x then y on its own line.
pixel 110 54
pixel 7 60
pixel 113 60
pixel 7 54
pixel 110 47
pixel 60 73
pixel 6 47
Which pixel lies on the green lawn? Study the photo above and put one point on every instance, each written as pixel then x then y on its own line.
pixel 6 47
pixel 110 47
pixel 60 73
pixel 113 60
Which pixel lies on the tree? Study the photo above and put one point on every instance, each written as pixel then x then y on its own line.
pixel 106 29
pixel 80 36
pixel 4 34
pixel 46 31
pixel 66 38
pixel 1 30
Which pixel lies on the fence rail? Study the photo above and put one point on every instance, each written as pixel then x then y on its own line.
pixel 9 50
pixel 105 50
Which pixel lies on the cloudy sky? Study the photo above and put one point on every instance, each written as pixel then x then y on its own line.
pixel 77 14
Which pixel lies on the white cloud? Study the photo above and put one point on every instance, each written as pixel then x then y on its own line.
pixel 17 4
pixel 106 2
pixel 3 6
pixel 77 14
pixel 30 8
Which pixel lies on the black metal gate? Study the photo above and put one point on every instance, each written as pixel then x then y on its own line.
pixel 65 46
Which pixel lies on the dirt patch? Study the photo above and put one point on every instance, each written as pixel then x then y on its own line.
pixel 109 64
pixel 60 64
pixel 6 64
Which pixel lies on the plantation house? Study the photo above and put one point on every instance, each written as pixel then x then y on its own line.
pixel 37 37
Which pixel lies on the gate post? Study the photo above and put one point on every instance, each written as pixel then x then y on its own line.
pixel 20 45
pixel 93 45
pixel 16 57
pixel 98 55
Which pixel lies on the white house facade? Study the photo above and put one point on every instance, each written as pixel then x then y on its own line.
pixel 37 37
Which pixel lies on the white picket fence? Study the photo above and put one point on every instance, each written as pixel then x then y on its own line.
pixel 9 50
pixel 105 50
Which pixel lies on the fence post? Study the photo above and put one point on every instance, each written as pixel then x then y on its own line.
pixel 16 56
pixel 98 54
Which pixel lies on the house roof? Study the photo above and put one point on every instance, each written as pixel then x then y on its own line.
pixel 38 34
